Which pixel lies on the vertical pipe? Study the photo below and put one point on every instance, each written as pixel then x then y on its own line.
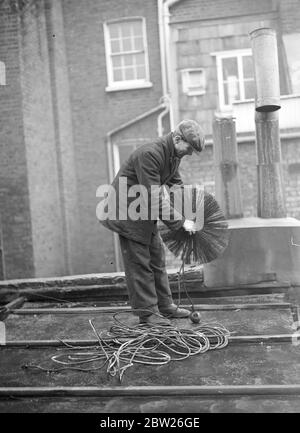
pixel 228 191
pixel 271 201
pixel 162 45
pixel 266 69
pixel 2 271
pixel 160 129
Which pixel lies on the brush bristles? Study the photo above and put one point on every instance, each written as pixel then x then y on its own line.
pixel 205 245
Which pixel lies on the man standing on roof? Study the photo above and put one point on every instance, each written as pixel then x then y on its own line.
pixel 153 164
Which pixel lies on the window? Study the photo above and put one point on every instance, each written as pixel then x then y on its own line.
pixel 235 77
pixel 193 81
pixel 126 54
pixel 124 148
pixel 2 74
pixel 291 44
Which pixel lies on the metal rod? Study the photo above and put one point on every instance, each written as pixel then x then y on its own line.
pixel 201 307
pixel 238 339
pixel 134 391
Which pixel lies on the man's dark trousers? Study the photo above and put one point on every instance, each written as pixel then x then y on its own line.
pixel 146 275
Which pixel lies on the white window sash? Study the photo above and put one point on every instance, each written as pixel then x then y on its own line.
pixel 189 88
pixel 136 82
pixel 116 157
pixel 2 74
pixel 134 143
pixel 124 53
pixel 238 54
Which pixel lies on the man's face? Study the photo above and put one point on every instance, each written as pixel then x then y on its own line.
pixel 182 148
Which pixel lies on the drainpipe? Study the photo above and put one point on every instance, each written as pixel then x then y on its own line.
pixel 162 106
pixel 2 259
pixel 162 44
pixel 164 40
pixel 164 79
pixel 166 102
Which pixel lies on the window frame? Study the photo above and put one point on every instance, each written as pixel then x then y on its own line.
pixel 239 54
pixel 2 74
pixel 187 90
pixel 133 142
pixel 128 84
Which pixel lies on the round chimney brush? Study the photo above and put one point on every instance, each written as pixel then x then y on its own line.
pixel 212 235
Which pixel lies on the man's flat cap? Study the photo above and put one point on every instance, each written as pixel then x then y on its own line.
pixel 192 133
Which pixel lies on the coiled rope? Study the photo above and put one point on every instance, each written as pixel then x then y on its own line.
pixel 123 346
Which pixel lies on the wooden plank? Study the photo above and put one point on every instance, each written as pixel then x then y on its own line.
pixel 16 303
pixel 108 279
pixel 11 306
pixel 250 339
pixel 107 309
pixel 105 291
pixel 117 391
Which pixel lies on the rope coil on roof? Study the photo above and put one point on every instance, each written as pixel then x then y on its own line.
pixel 123 346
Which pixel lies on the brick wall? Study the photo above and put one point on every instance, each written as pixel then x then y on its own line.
pixel 207 9
pixel 289 11
pixel 55 99
pixel 54 181
pixel 14 195
pixel 63 129
pixel 201 170
pixel 95 111
pixel 194 47
pixel 199 28
pixel 39 138
pixel 291 175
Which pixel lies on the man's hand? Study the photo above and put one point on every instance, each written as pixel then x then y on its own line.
pixel 189 226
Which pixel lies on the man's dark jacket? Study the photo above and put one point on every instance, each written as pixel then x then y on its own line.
pixel 151 164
